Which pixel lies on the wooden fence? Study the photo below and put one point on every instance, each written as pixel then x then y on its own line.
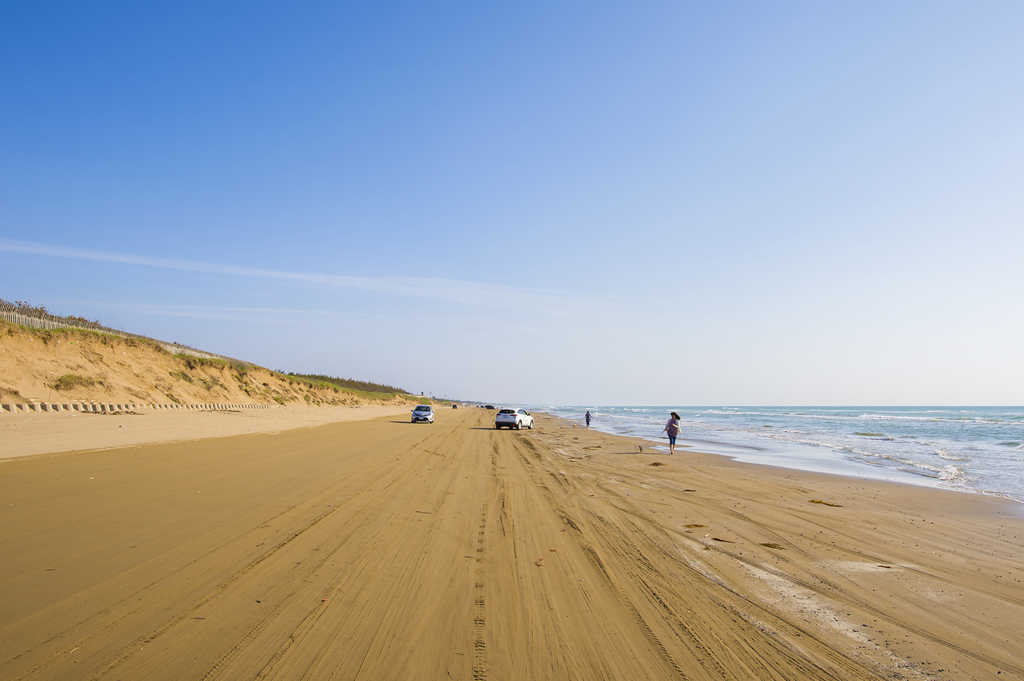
pixel 39 320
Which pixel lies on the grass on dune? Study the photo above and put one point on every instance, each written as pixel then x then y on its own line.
pixel 364 389
pixel 70 381
pixel 350 383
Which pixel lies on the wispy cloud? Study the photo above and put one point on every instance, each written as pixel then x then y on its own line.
pixel 449 290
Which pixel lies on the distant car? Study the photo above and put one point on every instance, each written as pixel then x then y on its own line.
pixel 454 406
pixel 423 412
pixel 513 418
pixel 489 406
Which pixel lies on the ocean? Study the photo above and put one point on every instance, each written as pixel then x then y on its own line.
pixel 970 449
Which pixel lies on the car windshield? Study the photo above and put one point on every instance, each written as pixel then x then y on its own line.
pixel 422 408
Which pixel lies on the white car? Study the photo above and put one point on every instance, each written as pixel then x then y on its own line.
pixel 513 418
pixel 423 412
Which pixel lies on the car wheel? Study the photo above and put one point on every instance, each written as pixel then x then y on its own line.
pixel 531 425
pixel 497 427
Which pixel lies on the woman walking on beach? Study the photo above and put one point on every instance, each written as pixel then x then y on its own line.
pixel 672 430
pixel 588 419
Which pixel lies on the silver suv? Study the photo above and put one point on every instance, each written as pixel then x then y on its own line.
pixel 423 412
pixel 513 418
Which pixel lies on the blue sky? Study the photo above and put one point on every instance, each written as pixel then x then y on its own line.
pixel 565 203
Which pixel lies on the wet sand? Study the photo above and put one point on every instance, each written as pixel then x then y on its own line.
pixel 379 549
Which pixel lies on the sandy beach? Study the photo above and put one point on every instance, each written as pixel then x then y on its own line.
pixel 314 546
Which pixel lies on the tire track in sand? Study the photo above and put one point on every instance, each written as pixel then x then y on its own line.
pixel 657 588
pixel 479 603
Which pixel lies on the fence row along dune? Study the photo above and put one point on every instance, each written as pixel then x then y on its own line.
pixel 105 408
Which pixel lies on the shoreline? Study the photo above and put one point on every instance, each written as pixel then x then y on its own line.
pixel 909 481
pixel 975 450
pixel 1007 505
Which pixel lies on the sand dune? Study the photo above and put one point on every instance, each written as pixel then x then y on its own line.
pixel 384 550
pixel 71 365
